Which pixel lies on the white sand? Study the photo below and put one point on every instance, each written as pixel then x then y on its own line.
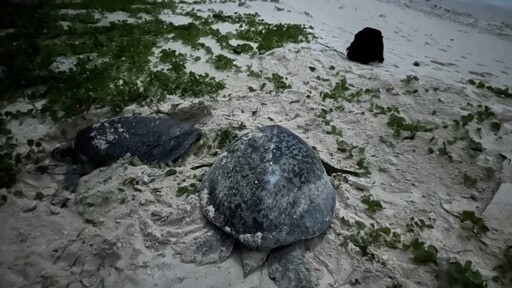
pixel 135 242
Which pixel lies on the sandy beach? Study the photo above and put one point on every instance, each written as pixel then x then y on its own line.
pixel 126 227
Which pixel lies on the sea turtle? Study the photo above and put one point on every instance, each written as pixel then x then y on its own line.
pixel 268 189
pixel 151 139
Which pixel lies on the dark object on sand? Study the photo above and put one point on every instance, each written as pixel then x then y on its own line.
pixel 267 190
pixel 151 139
pixel 367 46
pixel 416 63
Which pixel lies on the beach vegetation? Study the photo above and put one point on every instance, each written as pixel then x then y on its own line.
pixel 495 126
pixel 222 62
pixel 323 114
pixel 362 163
pixel 338 92
pixel 335 131
pixel 377 109
pixel 418 225
pixel 489 173
pixel 39 196
pixel 399 123
pixel 501 92
pixel 421 254
pixel 463 275
pixel 504 267
pixel 253 74
pixel 409 79
pixel 469 181
pixel 170 172
pixel 278 82
pixel 342 91
pixel 199 177
pixel 244 48
pixel 271 36
pixel 410 92
pixel 343 146
pixel 372 205
pixel 367 236
pixel 469 221
pixel 187 190
pixel 374 92
pixel 104 69
pixel 484 114
pixel 480 116
pixel 225 137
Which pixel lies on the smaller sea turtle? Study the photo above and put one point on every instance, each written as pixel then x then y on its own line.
pixel 151 139
pixel 268 191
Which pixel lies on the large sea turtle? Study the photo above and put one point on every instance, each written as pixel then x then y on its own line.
pixel 267 190
pixel 151 139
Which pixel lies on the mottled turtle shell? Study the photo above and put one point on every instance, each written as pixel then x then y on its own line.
pixel 267 189
pixel 149 138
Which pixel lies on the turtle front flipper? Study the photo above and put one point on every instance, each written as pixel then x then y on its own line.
pixel 63 193
pixel 71 177
pixel 252 260
pixel 288 267
pixel 212 247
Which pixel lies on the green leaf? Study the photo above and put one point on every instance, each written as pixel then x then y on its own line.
pixel 187 190
pixel 384 230
pixel 360 225
pixel 244 48
pixel 398 123
pixel 421 254
pixel 18 194
pixel 338 92
pixel 479 226
pixel 335 131
pixel 225 137
pixel 222 62
pixel 278 82
pixel 463 276
pixel 425 256
pixel 409 79
pixel 39 196
pixel 170 172
pixel 469 182
pixel 504 267
pixel 495 126
pixel 373 206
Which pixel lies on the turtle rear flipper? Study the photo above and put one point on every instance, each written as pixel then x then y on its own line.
pixel 63 193
pixel 288 267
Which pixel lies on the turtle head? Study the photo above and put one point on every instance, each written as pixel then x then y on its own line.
pixel 64 153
